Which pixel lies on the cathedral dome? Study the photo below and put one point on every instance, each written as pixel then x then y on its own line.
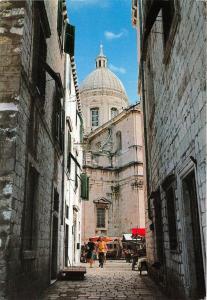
pixel 103 80
pixel 102 95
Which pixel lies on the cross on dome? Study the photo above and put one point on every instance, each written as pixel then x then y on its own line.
pixel 101 60
pixel 101 50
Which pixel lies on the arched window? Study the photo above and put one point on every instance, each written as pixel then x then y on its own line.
pixel 114 112
pixel 118 141
pixel 94 116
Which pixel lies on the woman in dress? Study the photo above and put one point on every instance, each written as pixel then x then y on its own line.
pixel 90 252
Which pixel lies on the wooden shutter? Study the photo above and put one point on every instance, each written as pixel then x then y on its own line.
pixel 84 187
pixel 69 39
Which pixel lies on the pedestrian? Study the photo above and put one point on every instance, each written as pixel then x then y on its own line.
pixel 134 258
pixel 90 252
pixel 102 249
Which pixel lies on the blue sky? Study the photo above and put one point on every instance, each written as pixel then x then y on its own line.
pixel 109 22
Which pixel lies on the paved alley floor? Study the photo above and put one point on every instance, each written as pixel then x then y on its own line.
pixel 115 281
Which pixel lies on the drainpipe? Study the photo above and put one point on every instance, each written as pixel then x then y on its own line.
pixel 143 97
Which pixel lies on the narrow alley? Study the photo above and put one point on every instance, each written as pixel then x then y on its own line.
pixel 115 281
pixel 103 149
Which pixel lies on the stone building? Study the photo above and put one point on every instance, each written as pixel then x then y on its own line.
pixel 113 158
pixel 73 167
pixel 34 39
pixel 172 83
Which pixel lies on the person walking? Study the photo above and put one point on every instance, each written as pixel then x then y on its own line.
pixel 102 249
pixel 90 252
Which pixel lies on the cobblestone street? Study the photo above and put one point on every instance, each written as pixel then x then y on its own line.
pixel 114 281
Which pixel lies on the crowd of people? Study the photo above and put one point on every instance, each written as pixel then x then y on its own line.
pixel 98 250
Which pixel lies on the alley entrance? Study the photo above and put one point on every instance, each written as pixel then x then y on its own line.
pixel 115 281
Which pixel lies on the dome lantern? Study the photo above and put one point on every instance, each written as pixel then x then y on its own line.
pixel 101 60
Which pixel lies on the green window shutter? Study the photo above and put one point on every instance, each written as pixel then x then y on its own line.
pixel 84 187
pixel 69 39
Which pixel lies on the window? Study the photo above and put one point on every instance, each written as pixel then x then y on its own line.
pixel 69 152
pixel 114 112
pixel 94 117
pixel 41 32
pixel 69 39
pixel 171 213
pixel 67 211
pixel 58 120
pixel 168 11
pixel 150 93
pixel 30 209
pixel 33 129
pixel 84 186
pixel 81 126
pixel 159 226
pixel 76 176
pixel 169 186
pixel 56 201
pixel 170 17
pixel 101 214
pixel 118 141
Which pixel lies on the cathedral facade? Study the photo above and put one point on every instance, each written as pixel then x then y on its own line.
pixel 113 156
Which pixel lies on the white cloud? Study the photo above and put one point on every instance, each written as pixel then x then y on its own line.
pixel 120 70
pixel 109 35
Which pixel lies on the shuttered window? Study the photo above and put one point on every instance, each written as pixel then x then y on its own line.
pixel 171 218
pixel 69 39
pixel 84 187
pixel 58 121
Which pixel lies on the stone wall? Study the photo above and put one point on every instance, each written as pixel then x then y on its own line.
pixel 11 24
pixel 176 90
pixel 23 274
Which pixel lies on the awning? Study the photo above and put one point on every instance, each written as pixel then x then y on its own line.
pixel 138 232
pixel 128 237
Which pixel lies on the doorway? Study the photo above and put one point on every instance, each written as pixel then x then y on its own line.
pixel 193 237
pixel 74 241
pixel 66 244
pixel 54 248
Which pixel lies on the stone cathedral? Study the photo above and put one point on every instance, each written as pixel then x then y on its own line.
pixel 113 156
